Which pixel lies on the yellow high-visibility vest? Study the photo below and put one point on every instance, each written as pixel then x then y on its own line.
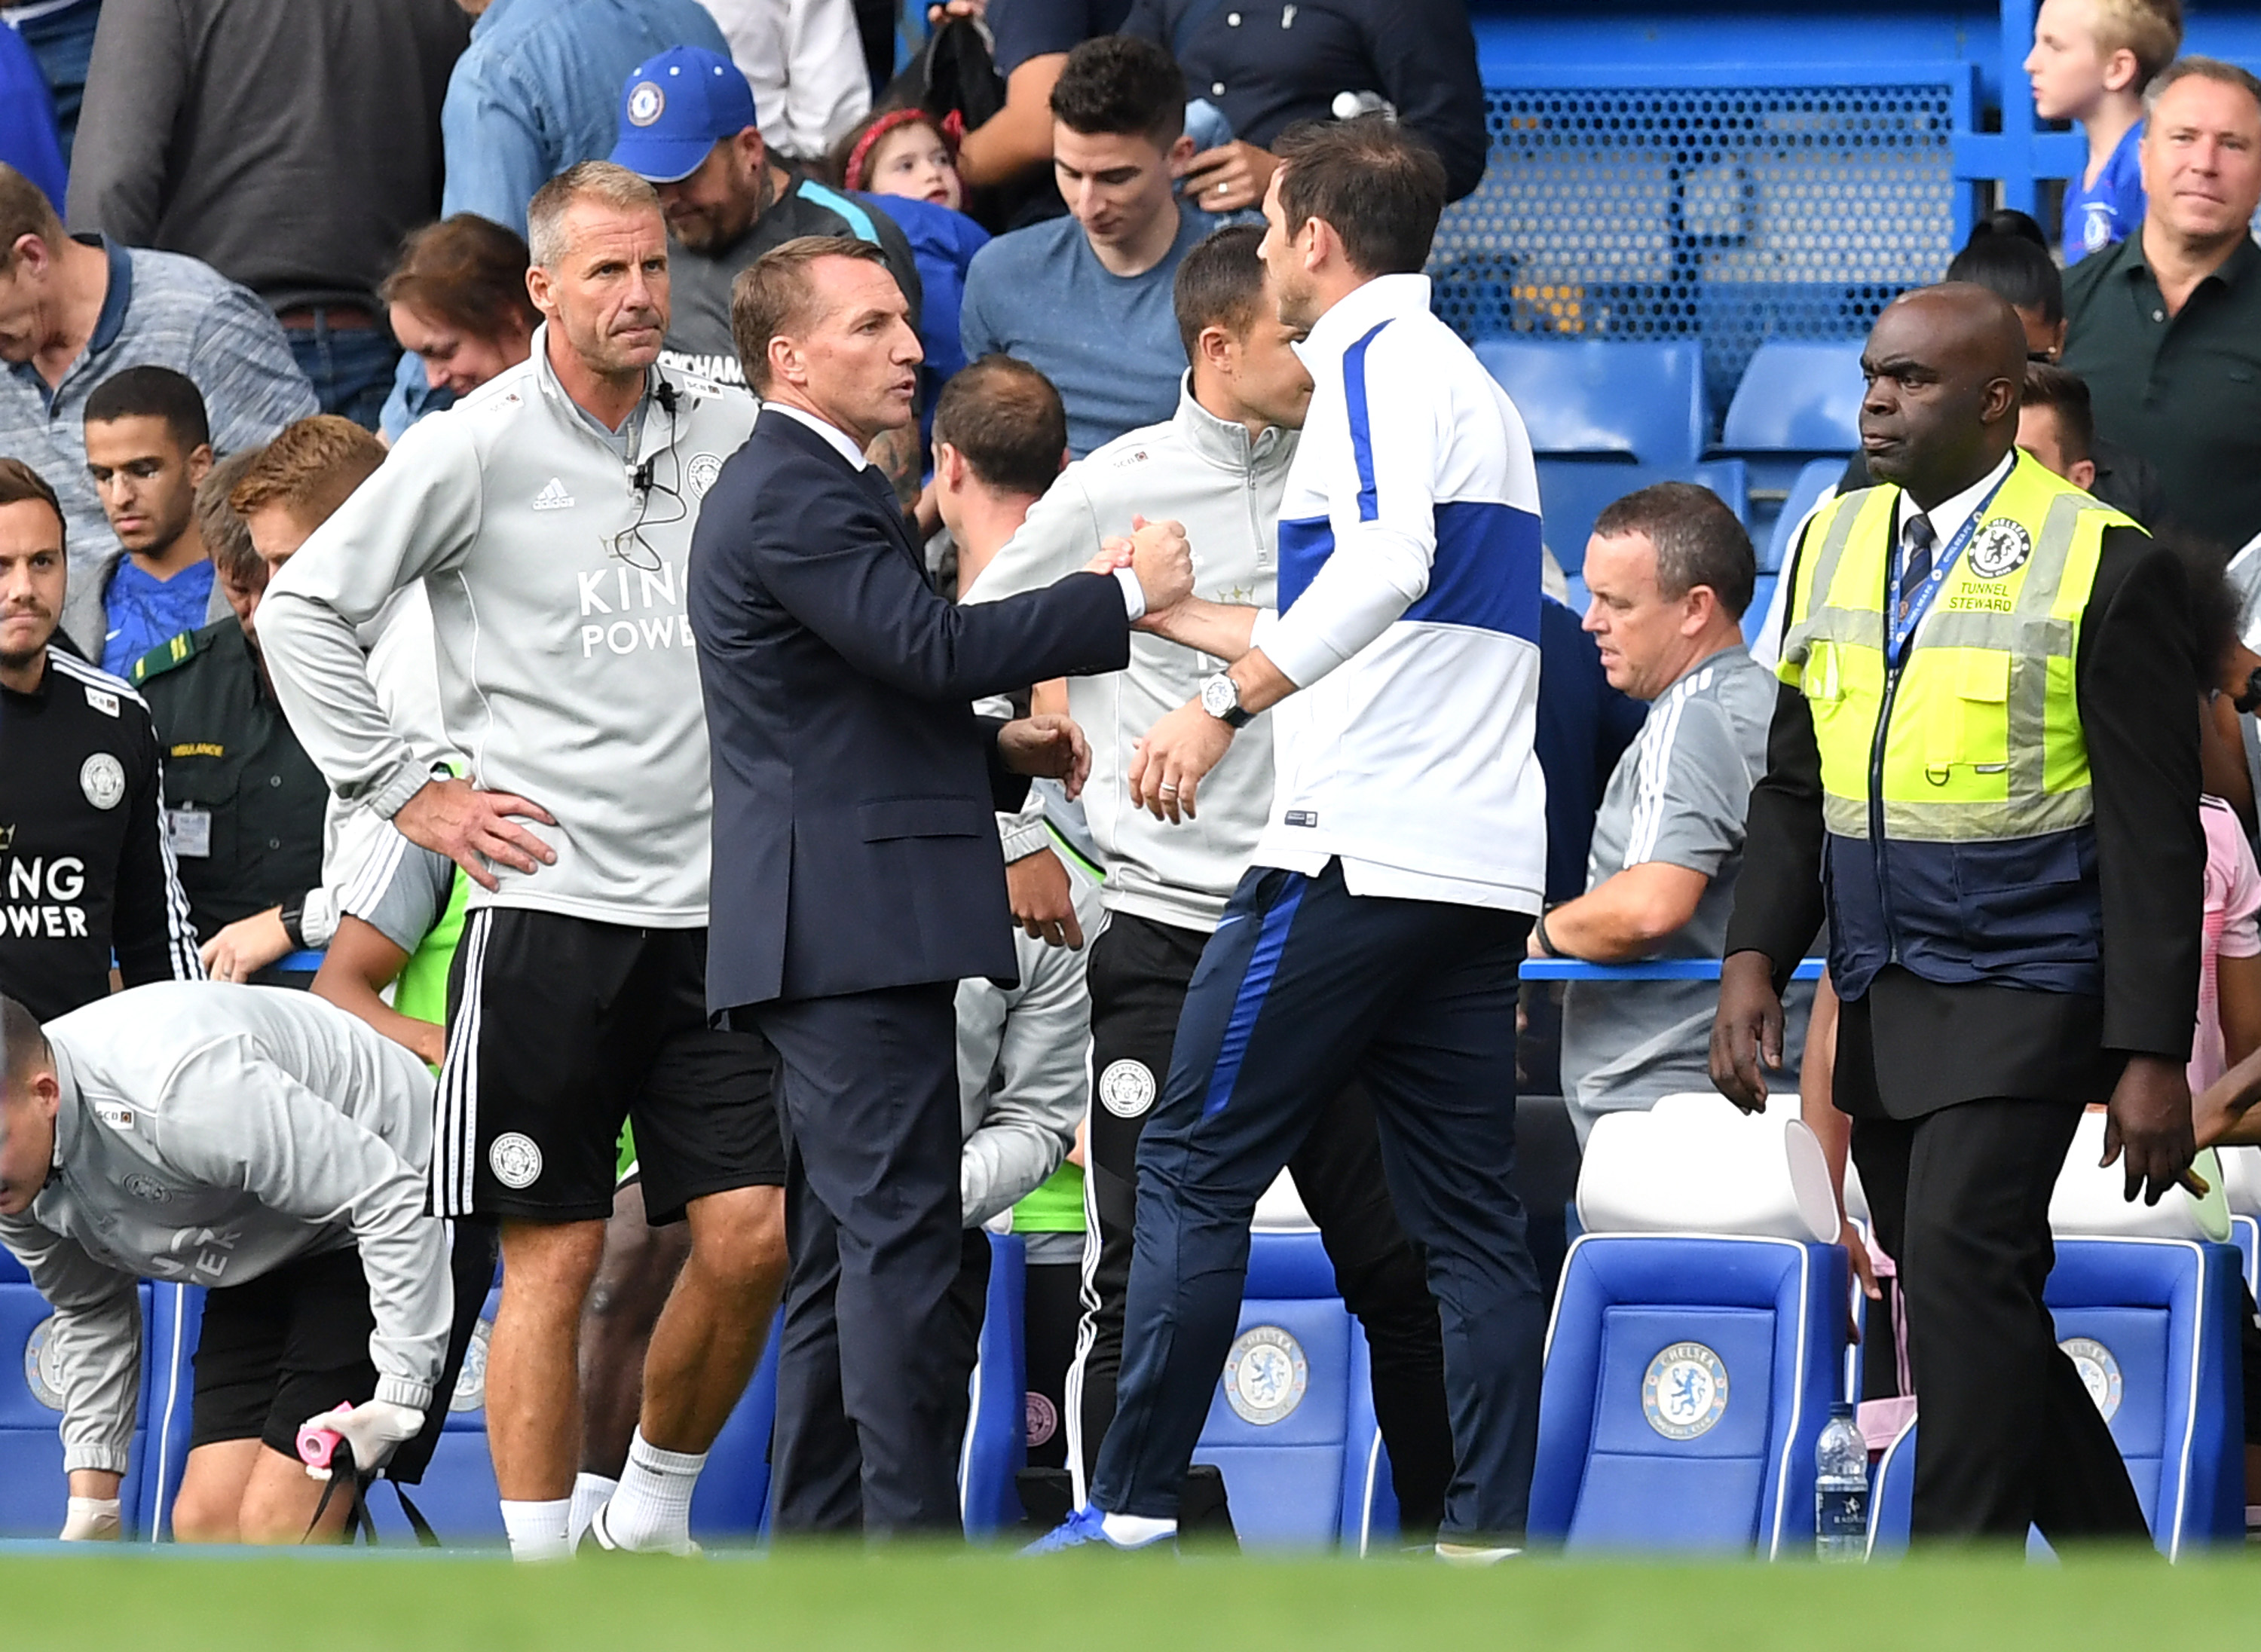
pixel 1983 739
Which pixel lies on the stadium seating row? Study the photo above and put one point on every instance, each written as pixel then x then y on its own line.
pixel 1697 1342
pixel 1607 417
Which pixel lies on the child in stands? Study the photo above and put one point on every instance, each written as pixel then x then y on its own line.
pixel 2091 61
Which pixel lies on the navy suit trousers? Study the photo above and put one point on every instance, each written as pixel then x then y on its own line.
pixel 1304 988
pixel 873 1226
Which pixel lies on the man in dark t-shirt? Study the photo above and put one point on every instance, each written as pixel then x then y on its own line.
pixel 687 126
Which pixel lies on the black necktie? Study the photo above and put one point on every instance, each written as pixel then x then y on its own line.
pixel 1917 567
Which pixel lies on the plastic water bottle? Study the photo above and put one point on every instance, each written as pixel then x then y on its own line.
pixel 1841 1488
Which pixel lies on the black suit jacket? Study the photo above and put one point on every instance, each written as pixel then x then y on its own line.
pixel 1910 1046
pixel 855 836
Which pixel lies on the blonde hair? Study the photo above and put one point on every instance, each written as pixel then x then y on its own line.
pixel 2152 30
pixel 310 470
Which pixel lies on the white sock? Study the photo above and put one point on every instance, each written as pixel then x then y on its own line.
pixel 652 1508
pixel 1134 1530
pixel 537 1530
pixel 590 1491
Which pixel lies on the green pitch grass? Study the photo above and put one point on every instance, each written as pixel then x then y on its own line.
pixel 938 1601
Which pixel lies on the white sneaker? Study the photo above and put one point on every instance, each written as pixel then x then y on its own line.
pixel 1474 1554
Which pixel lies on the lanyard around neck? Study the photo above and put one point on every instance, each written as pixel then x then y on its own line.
pixel 1903 631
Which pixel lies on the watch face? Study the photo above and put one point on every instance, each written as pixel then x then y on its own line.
pixel 1218 696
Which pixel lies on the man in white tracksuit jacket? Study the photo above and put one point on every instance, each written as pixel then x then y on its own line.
pixel 265 1145
pixel 1221 468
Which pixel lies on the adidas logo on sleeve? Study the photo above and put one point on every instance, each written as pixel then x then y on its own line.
pixel 553 497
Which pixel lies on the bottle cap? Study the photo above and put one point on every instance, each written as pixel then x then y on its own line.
pixel 1841 1408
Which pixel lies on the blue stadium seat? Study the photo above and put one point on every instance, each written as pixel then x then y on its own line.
pixel 732 1503
pixel 1742 1333
pixel 1796 397
pixel 176 1320
pixel 1572 493
pixel 2245 1234
pixel 2153 1324
pixel 1892 1493
pixel 32 1492
pixel 1695 1343
pixel 1640 403
pixel 1761 600
pixel 1291 1426
pixel 457 1495
pixel 1814 481
pixel 996 1446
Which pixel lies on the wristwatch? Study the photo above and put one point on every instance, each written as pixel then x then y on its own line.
pixel 1221 698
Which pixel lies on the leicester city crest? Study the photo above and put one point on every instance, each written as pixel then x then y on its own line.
pixel 2099 1372
pixel 2000 549
pixel 1684 1392
pixel 1264 1375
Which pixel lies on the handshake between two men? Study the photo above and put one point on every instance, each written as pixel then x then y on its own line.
pixel 1048 744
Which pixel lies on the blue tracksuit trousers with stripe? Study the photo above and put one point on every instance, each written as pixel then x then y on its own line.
pixel 1303 986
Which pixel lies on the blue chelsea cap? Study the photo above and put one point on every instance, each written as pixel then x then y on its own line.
pixel 675 108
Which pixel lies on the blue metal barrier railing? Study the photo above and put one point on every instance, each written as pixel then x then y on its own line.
pixel 1533 968
pixel 1653 969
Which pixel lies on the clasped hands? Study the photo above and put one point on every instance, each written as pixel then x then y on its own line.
pixel 1168 765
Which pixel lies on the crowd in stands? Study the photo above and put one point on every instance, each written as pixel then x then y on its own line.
pixel 277 274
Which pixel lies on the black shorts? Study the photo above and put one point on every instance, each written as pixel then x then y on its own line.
pixel 278 1349
pixel 561 1027
pixel 294 1343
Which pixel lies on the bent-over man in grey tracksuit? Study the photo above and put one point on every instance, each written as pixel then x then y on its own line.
pixel 270 1147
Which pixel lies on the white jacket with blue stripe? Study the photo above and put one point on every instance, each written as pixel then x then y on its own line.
pixel 1408 618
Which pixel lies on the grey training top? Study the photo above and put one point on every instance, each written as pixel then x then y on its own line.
pixel 566 670
pixel 1679 795
pixel 207 1135
pixel 401 891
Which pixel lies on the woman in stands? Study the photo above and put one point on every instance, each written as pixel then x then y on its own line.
pixel 457 300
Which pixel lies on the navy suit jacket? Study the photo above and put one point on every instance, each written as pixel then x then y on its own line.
pixel 855 833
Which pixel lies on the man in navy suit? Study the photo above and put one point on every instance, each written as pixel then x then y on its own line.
pixel 858 876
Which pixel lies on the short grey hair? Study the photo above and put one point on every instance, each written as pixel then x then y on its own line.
pixel 597 181
pixel 2196 68
pixel 1698 540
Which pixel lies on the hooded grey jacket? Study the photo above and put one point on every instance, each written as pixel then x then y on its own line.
pixel 207 1135
pixel 1207 473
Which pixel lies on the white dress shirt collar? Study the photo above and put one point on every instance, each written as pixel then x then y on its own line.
pixel 1949 515
pixel 840 442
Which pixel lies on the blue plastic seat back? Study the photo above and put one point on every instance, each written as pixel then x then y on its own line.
pixel 1814 481
pixel 1642 403
pixel 732 1503
pixel 33 1493
pixel 1572 493
pixel 458 1494
pixel 175 1321
pixel 2153 1324
pixel 1796 397
pixel 1687 1380
pixel 1280 1424
pixel 996 1445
